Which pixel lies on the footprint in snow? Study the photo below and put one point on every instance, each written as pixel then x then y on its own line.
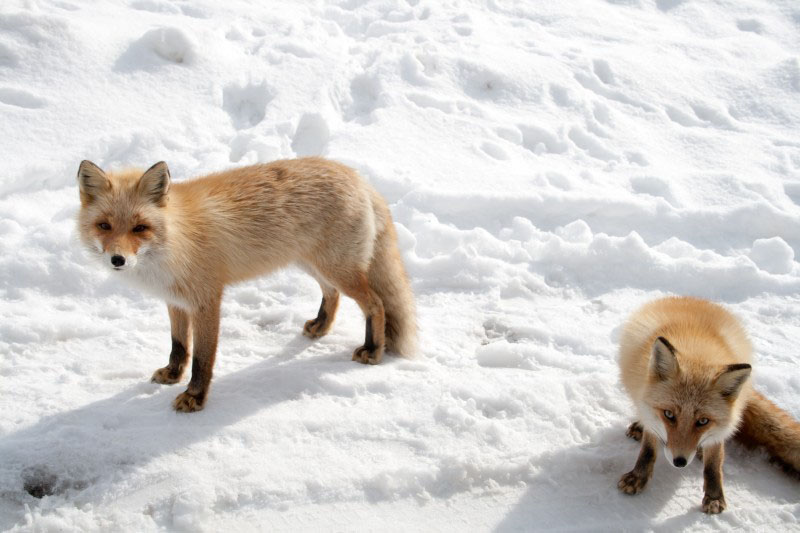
pixel 246 104
pixel 311 136
pixel 19 98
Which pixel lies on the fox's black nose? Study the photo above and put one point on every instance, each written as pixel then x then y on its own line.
pixel 117 260
pixel 680 462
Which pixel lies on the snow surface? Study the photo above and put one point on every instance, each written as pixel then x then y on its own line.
pixel 550 166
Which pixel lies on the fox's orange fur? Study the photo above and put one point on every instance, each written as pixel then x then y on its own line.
pixel 184 242
pixel 686 364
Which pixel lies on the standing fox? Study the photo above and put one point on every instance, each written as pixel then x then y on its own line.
pixel 685 363
pixel 184 242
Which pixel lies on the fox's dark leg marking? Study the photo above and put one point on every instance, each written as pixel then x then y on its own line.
pixel 205 321
pixel 634 481
pixel 375 338
pixel 714 498
pixel 635 431
pixel 327 312
pixel 180 325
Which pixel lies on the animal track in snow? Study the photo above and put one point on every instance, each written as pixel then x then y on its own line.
pixel 494 150
pixel 591 145
pixel 311 136
pixel 751 25
pixel 561 95
pixel 8 58
pixel 156 48
pixel 603 71
pixel 427 101
pixel 539 140
pixel 704 115
pixel 598 86
pixel 462 25
pixel 20 98
pixel 365 95
pixel 667 5
pixel 246 104
pixel 653 186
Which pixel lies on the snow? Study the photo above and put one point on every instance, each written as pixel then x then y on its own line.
pixel 549 165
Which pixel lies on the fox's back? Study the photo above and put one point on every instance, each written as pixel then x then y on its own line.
pixel 264 216
pixel 704 334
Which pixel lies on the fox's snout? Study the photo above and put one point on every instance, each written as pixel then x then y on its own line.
pixel 117 260
pixel 679 459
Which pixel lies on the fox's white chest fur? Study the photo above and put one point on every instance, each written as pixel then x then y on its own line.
pixel 153 276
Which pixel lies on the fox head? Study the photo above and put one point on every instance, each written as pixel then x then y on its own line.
pixel 690 407
pixel 122 217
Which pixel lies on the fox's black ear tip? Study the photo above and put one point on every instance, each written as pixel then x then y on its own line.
pixel 665 342
pixel 740 366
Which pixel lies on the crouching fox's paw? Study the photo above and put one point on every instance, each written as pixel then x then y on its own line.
pixel 368 356
pixel 188 403
pixel 632 483
pixel 166 376
pixel 635 431
pixel 713 505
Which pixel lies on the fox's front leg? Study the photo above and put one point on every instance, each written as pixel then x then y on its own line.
pixel 205 328
pixel 634 481
pixel 180 326
pixel 714 499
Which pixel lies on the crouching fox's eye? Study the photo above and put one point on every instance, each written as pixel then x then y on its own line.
pixel 105 226
pixel 139 228
pixel 669 414
pixel 702 422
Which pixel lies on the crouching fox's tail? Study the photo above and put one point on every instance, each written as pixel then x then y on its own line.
pixel 765 424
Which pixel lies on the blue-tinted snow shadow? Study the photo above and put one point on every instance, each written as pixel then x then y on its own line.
pixel 577 490
pixel 69 452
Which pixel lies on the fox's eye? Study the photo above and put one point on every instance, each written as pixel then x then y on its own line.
pixel 669 414
pixel 140 228
pixel 105 226
pixel 702 422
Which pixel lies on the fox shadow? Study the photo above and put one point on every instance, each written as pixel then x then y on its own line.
pixel 67 452
pixel 577 489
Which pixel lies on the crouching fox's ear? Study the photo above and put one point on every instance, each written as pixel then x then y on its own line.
pixel 663 363
pixel 154 183
pixel 730 382
pixel 91 181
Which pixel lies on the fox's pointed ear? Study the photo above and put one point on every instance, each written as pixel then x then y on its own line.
pixel 154 183
pixel 663 363
pixel 730 382
pixel 91 181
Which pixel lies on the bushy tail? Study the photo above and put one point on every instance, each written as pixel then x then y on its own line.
pixel 388 278
pixel 765 424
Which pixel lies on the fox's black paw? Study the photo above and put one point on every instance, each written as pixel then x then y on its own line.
pixel 635 431
pixel 316 328
pixel 166 376
pixel 188 403
pixel 713 505
pixel 368 356
pixel 632 483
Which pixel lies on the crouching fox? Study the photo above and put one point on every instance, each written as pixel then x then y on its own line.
pixel 184 242
pixel 686 365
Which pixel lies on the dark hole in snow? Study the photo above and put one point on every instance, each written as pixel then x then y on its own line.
pixel 38 481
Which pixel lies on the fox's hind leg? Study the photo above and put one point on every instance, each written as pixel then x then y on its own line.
pixel 321 325
pixel 634 481
pixel 180 326
pixel 357 287
pixel 635 431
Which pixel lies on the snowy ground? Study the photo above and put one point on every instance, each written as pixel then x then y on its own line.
pixel 550 166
